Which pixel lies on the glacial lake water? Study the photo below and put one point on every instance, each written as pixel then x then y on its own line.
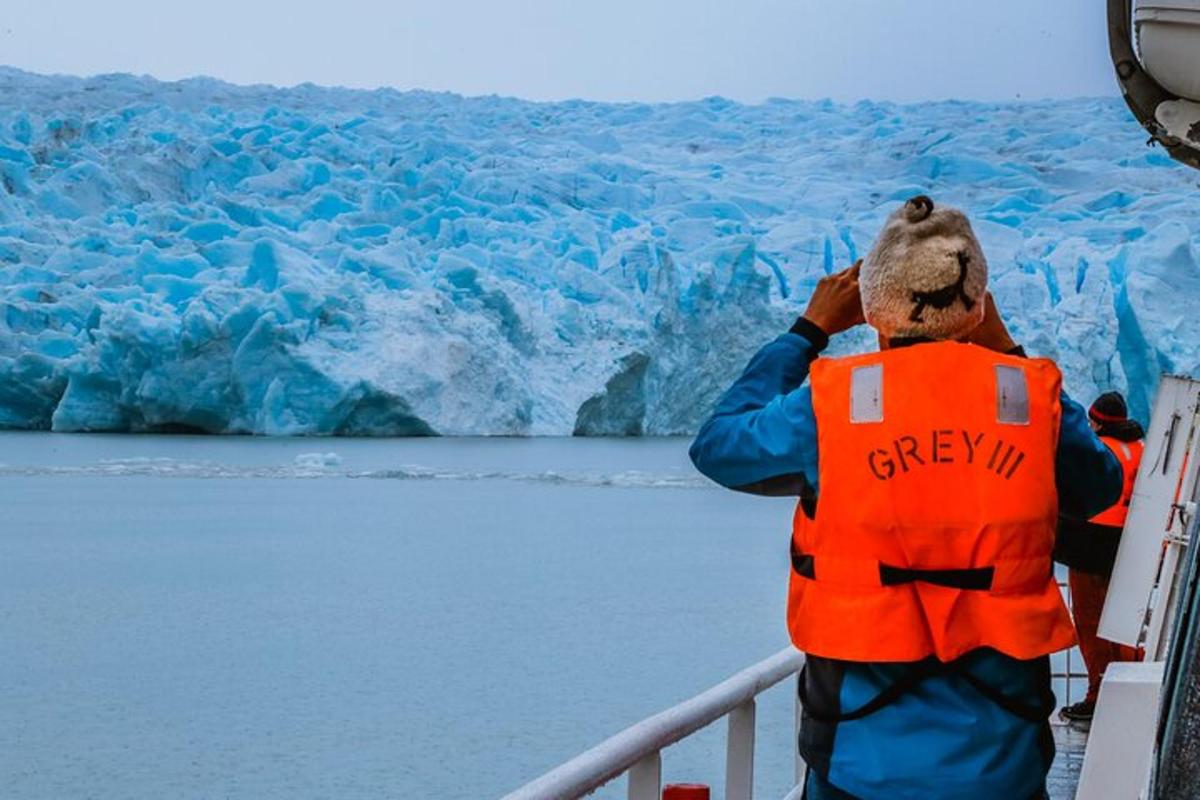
pixel 193 617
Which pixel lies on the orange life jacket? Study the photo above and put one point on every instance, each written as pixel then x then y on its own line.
pixel 935 523
pixel 1130 456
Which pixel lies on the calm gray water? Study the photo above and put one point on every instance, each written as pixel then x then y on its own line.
pixel 191 617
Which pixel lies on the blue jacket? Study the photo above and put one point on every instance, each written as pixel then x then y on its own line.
pixel 944 739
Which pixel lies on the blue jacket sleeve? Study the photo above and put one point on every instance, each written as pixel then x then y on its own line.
pixel 1088 475
pixel 762 437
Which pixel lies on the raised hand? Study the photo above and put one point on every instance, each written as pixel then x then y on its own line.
pixel 836 305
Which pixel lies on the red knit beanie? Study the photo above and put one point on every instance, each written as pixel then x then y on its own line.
pixel 1109 407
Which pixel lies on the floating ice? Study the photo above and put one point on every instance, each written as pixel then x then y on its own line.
pixel 319 465
pixel 317 462
pixel 198 256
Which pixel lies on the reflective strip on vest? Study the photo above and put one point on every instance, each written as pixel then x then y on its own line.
pixel 866 394
pixel 937 510
pixel 1012 395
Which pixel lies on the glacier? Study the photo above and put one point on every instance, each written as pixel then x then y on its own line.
pixel 198 256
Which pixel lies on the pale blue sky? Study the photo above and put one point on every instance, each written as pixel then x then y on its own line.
pixel 599 49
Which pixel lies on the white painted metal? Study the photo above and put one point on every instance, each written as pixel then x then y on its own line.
pixel 1168 39
pixel 801 768
pixel 590 770
pixel 796 793
pixel 1162 605
pixel 645 778
pixel 1162 615
pixel 1154 526
pixel 1116 764
pixel 739 753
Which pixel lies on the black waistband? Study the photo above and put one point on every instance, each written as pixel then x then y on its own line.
pixel 1036 711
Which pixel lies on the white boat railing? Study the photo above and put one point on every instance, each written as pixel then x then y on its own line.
pixel 638 750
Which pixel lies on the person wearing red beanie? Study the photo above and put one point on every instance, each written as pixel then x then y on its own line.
pixel 1089 550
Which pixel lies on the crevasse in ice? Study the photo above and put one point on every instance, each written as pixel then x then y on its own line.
pixel 199 256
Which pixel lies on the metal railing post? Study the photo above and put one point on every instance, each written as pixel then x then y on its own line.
pixel 645 778
pixel 739 753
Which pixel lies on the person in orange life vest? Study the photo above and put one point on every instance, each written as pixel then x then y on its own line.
pixel 930 475
pixel 1089 549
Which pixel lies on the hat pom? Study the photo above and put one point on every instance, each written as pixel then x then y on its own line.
pixel 918 208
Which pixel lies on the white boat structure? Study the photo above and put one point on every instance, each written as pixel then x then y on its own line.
pixel 1144 741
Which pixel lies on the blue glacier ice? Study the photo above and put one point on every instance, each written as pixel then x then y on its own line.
pixel 203 257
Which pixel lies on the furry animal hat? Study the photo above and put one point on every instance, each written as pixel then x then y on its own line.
pixel 925 275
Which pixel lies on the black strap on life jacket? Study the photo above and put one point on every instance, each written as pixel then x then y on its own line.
pixel 921 671
pixel 971 579
pixel 804 565
pixel 968 579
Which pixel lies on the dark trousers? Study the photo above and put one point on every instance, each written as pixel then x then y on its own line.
pixel 1088 591
pixel 817 788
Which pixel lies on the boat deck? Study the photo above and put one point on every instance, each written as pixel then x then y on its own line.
pixel 1064 775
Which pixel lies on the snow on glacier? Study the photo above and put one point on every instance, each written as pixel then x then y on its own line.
pixel 200 256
